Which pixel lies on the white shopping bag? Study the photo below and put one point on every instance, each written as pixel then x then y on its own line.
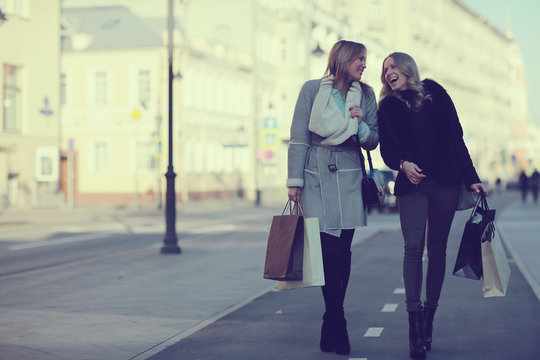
pixel 496 271
pixel 312 269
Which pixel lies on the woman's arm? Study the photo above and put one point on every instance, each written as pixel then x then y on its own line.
pixel 465 162
pixel 300 135
pixel 370 140
pixel 392 112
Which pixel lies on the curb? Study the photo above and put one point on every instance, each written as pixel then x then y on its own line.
pixel 520 264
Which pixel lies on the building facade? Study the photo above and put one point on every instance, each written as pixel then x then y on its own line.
pixel 490 95
pixel 239 69
pixel 115 112
pixel 29 131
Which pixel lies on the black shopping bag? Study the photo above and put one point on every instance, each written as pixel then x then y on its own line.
pixel 469 259
pixel 285 248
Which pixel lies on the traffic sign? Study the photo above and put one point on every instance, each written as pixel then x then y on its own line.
pixel 269 139
pixel 136 114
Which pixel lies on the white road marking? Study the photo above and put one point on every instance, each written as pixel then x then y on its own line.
pixel 213 229
pixel 64 240
pixel 399 291
pixel 357 358
pixel 89 227
pixel 389 308
pixel 374 332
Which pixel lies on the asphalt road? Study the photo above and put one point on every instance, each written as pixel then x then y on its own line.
pixel 89 285
pixel 286 325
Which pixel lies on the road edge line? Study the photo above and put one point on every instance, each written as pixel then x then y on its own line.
pixel 201 325
pixel 520 263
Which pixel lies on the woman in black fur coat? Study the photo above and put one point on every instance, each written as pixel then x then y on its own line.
pixel 420 135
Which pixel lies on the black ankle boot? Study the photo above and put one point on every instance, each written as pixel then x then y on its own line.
pixel 428 326
pixel 416 335
pixel 327 334
pixel 341 337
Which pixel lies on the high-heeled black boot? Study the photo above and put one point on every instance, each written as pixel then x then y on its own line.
pixel 327 334
pixel 429 313
pixel 416 335
pixel 341 336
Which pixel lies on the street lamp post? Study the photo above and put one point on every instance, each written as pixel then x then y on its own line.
pixel 2 17
pixel 170 240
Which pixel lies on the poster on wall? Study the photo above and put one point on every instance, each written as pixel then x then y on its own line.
pixel 47 164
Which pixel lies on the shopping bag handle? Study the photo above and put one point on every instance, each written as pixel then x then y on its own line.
pixel 295 209
pixel 480 200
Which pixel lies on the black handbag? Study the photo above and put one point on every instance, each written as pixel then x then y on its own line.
pixel 469 258
pixel 372 183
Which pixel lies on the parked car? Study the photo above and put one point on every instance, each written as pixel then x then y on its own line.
pixel 390 200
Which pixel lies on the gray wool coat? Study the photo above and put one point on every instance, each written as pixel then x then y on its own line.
pixel 334 197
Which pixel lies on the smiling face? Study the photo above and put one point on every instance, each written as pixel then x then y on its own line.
pixel 394 76
pixel 356 66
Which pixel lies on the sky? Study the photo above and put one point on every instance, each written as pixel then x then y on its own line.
pixel 525 28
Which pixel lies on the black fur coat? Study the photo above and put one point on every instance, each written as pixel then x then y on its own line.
pixel 432 138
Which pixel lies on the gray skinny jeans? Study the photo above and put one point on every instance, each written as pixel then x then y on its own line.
pixel 432 204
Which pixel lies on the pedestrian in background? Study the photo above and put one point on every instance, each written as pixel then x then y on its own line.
pixel 498 185
pixel 534 182
pixel 333 116
pixel 523 186
pixel 422 138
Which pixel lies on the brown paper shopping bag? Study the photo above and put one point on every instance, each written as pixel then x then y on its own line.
pixel 312 269
pixel 285 247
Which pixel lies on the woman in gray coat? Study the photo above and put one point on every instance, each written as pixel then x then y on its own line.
pixel 332 118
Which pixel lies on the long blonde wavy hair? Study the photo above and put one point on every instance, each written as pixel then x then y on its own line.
pixel 341 55
pixel 408 66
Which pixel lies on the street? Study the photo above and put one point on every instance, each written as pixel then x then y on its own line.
pixel 92 285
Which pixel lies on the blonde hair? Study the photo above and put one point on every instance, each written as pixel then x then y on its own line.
pixel 341 55
pixel 408 66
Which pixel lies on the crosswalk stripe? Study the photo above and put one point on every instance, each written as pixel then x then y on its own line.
pixel 389 307
pixel 374 332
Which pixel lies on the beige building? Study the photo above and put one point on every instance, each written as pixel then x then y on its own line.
pixel 242 65
pixel 29 132
pixel 490 96
pixel 115 109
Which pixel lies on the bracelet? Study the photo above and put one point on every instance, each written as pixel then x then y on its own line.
pixel 401 164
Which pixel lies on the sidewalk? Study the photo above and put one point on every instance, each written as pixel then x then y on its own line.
pixel 212 303
pixel 519 225
pixel 17 224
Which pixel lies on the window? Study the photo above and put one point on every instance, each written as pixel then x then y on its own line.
pixel 198 89
pixel 145 160
pixel 15 7
pixel 188 88
pixel 144 95
pixel 101 88
pixel 20 6
pixel 12 104
pixel 375 10
pixel 101 157
pixel 188 157
pixel 63 89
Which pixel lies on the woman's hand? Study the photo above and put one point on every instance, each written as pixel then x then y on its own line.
pixel 294 193
pixel 479 187
pixel 356 112
pixel 413 172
